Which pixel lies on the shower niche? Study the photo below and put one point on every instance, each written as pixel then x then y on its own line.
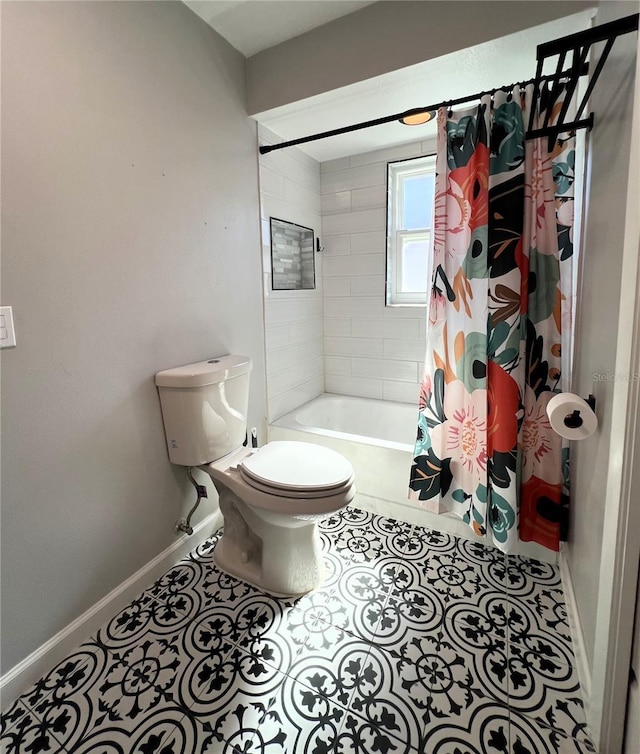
pixel 292 256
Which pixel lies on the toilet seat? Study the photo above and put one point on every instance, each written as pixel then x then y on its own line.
pixel 297 470
pixel 298 494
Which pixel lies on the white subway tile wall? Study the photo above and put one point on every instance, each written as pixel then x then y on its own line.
pixel 356 221
pixel 290 190
pixel 370 349
pixel 339 337
pixel 345 385
pixel 368 243
pixel 353 265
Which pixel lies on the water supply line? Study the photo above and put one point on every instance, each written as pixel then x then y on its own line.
pixel 184 524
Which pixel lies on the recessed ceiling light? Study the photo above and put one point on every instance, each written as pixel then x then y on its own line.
pixel 417 117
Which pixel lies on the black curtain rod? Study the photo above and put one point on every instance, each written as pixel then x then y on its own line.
pixel 588 37
pixel 390 118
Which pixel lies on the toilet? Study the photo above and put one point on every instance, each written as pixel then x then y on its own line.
pixel 272 497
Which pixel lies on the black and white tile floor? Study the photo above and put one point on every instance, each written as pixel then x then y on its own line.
pixel 418 643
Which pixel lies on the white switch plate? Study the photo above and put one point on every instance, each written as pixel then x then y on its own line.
pixel 7 332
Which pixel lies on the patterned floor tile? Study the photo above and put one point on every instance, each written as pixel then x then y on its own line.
pixel 12 715
pixel 198 583
pixel 228 732
pixel 492 562
pixel 64 676
pixel 332 670
pixel 204 551
pixel 211 678
pixel 48 713
pixel 529 737
pixel 224 623
pixel 158 732
pixel 276 633
pixel 447 679
pixel 423 542
pixel 360 544
pixel 481 654
pixel 551 610
pixel 532 631
pixel 358 736
pixel 359 604
pixel 381 698
pixel 363 592
pixel 482 728
pixel 344 519
pixel 452 579
pixel 525 576
pixel 396 534
pixel 187 575
pixel 488 616
pixel 196 666
pixel 28 734
pixel 302 720
pixel 416 642
pixel 125 687
pixel 362 537
pixel 405 615
pixel 547 692
pixel 315 621
pixel 145 616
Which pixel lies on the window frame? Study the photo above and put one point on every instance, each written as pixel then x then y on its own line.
pixel 397 172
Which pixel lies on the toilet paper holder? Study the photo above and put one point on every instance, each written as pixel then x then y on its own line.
pixel 574 419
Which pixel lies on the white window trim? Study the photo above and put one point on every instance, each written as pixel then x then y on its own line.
pixel 396 172
pixel 403 298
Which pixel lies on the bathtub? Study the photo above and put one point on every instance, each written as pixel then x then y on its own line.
pixel 378 438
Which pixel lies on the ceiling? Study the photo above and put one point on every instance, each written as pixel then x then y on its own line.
pixel 475 69
pixel 254 25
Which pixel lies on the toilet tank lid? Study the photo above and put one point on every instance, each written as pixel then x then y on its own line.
pixel 203 373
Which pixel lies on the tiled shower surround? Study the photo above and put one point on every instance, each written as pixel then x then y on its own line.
pixel 417 643
pixel 340 337
pixel 370 350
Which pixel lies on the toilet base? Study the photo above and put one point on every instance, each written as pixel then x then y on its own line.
pixel 250 575
pixel 280 559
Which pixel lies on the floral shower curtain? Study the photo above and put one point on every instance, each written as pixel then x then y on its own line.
pixel 500 300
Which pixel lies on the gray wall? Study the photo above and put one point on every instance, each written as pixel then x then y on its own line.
pixel 599 312
pixel 129 226
pixel 384 37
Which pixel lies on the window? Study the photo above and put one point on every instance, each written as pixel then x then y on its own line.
pixel 410 191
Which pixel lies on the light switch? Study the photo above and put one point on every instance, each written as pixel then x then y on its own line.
pixel 7 333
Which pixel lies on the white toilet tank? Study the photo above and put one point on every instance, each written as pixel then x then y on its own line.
pixel 204 408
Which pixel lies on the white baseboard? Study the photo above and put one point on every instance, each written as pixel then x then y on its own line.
pixel 17 680
pixel 577 637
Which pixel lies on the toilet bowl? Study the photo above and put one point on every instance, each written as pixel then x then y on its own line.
pixel 271 500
